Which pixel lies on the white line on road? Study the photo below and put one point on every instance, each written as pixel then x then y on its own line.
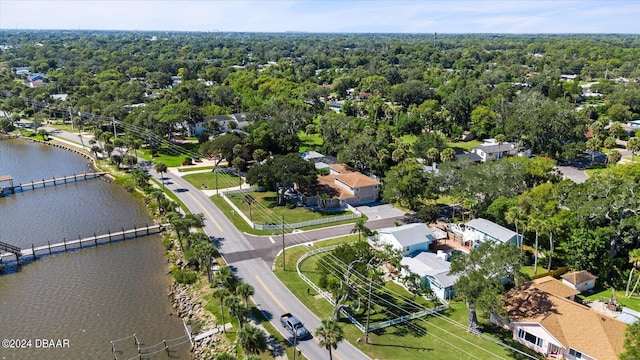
pixel 272 241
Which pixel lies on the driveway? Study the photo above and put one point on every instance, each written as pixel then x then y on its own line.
pixel 378 211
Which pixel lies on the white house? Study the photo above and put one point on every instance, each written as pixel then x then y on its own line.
pixel 480 230
pixel 434 272
pixel 580 280
pixel 409 239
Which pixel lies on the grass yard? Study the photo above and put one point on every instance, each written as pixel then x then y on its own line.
pixel 207 180
pixel 309 142
pixel 429 337
pixel 600 293
pixel 265 211
pixel 462 146
pixel 197 168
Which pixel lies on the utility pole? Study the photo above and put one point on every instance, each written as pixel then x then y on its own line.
pixel 283 255
pixel 71 118
pixel 366 331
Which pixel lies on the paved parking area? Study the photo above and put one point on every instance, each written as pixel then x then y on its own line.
pixel 380 211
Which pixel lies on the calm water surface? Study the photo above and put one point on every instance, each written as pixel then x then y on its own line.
pixel 91 296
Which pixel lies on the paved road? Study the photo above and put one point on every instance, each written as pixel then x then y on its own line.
pixel 251 258
pixel 271 295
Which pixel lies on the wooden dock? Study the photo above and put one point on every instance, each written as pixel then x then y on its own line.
pixel 10 251
pixel 11 189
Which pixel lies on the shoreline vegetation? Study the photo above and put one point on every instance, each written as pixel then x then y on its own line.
pixel 191 301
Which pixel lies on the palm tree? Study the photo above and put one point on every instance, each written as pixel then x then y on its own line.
pixel 447 154
pixel 323 200
pixel 359 227
pixel 432 155
pixel 515 215
pixel 330 334
pixel 161 168
pixel 238 308
pixel 634 259
pixel 204 251
pixel 535 225
pixel 614 156
pixel 245 290
pixel 252 339
pixel 633 145
pixel 221 292
pixel 593 145
pixel 224 277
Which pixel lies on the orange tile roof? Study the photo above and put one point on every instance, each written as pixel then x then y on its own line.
pixel 578 277
pixel 329 180
pixel 572 324
pixel 555 287
pixel 356 180
pixel 351 177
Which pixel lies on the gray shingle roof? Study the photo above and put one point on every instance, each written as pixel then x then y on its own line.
pixel 492 229
pixel 427 263
pixel 410 234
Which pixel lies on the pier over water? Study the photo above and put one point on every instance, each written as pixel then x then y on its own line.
pixel 11 189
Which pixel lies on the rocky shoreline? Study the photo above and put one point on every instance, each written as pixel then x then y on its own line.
pixel 186 305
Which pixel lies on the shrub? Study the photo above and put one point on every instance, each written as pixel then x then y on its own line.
pixel 184 276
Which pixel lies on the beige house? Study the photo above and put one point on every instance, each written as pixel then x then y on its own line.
pixel 559 328
pixel 344 185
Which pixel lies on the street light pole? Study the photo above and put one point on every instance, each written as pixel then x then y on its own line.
pixel 283 255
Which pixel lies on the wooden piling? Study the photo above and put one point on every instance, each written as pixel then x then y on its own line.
pixel 109 236
pixel 147 225
pixel 95 239
pixel 33 252
pixel 80 241
pixel 49 243
pixel 64 240
pixel 124 237
pixel 135 232
pixel 54 182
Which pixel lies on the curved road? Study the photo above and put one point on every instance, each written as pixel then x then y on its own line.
pixel 251 258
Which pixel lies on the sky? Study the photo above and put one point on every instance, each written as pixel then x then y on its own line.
pixel 328 16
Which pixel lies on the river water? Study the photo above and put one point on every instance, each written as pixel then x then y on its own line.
pixel 81 299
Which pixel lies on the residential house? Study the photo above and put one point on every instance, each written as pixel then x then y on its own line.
pixel 409 238
pixel 23 70
pixel 580 280
pixel 568 77
pixel 557 327
pixel 61 97
pixel 490 150
pixel 554 286
pixel 434 272
pixel 477 231
pixel 345 186
pixel 35 80
pixel 225 123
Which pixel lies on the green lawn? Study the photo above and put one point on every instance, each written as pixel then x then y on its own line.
pixel 265 211
pixel 207 180
pixel 196 168
pixel 462 146
pixel 601 293
pixel 169 160
pixel 309 142
pixel 430 337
